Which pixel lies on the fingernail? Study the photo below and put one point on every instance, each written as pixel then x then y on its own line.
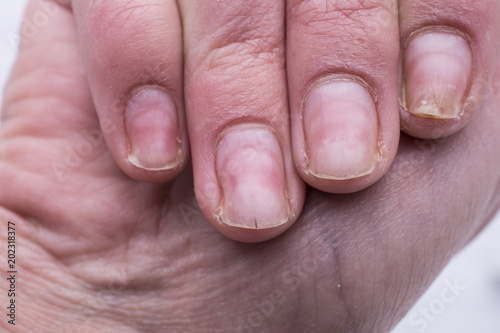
pixel 438 69
pixel 341 129
pixel 251 173
pixel 151 124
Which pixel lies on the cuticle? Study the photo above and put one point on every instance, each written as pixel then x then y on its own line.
pixel 437 28
pixel 232 127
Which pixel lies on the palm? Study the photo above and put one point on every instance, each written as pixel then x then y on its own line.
pixel 99 250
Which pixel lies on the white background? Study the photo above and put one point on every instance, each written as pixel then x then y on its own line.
pixel 472 308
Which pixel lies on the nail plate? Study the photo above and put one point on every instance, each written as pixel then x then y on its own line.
pixel 151 125
pixel 341 130
pixel 438 70
pixel 251 173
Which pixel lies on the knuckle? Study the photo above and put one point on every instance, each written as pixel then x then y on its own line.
pixel 358 32
pixel 140 36
pixel 350 16
pixel 246 54
pixel 122 17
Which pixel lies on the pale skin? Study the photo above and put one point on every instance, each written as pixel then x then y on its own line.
pixel 107 246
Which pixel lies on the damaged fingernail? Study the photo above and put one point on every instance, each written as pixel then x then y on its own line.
pixel 151 126
pixel 341 130
pixel 437 73
pixel 251 173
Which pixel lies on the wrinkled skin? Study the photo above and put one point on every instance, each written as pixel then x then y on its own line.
pixel 99 252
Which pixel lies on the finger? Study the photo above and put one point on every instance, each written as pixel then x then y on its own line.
pixel 342 61
pixel 54 163
pixel 133 54
pixel 450 51
pixel 245 180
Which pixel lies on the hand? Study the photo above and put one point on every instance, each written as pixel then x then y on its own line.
pixel 101 252
pixel 220 67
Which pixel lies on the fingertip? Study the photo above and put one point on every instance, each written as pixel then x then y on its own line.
pixel 438 73
pixel 347 147
pixel 135 74
pixel 430 127
pixel 256 194
pixel 450 52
